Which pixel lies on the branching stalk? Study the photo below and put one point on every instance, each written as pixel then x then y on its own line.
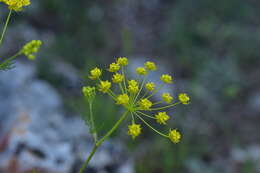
pixel 98 143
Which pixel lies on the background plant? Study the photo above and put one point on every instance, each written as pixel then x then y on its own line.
pixel 30 48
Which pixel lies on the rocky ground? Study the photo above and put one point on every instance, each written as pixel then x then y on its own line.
pixel 35 132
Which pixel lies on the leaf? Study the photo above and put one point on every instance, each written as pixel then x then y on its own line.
pixel 6 65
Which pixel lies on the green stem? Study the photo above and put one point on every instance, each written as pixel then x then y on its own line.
pixel 124 80
pixel 94 149
pixel 145 114
pixel 151 126
pixel 142 85
pixel 132 99
pixel 157 103
pixel 155 91
pixel 165 107
pixel 93 128
pixel 121 87
pixel 98 143
pixel 111 94
pixel 145 94
pixel 133 119
pixel 113 129
pixel 5 27
pixel 10 59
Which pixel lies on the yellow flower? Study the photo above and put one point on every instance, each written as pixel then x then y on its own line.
pixel 150 86
pixel 166 78
pixel 122 99
pixel 114 67
pixel 150 66
pixel 134 130
pixel 184 98
pixel 89 92
pixel 167 97
pixel 117 78
pixel 16 5
pixel 145 104
pixel 162 117
pixel 174 136
pixel 104 86
pixel 130 96
pixel 141 71
pixel 30 48
pixel 123 61
pixel 133 86
pixel 95 73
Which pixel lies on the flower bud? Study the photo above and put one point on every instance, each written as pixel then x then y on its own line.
pixel 89 93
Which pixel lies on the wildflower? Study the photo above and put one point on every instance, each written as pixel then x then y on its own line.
pixel 31 48
pixel 117 78
pixel 104 86
pixel 89 92
pixel 162 117
pixel 95 73
pixel 150 66
pixel 114 67
pixel 166 78
pixel 150 86
pixel 184 98
pixel 141 71
pixel 133 86
pixel 134 130
pixel 16 5
pixel 122 99
pixel 135 97
pixel 174 136
pixel 123 61
pixel 145 104
pixel 167 97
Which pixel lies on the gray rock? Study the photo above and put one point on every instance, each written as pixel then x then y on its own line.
pixel 249 153
pixel 36 134
pixel 254 103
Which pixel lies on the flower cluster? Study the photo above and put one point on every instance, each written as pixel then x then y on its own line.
pixel 89 93
pixel 135 96
pixel 16 5
pixel 31 48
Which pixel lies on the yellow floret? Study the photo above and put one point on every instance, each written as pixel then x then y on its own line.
pixel 141 71
pixel 145 104
pixel 132 82
pixel 166 78
pixel 123 61
pixel 89 92
pixel 184 98
pixel 104 86
pixel 114 67
pixel 133 86
pixel 167 97
pixel 30 48
pixel 134 130
pixel 117 78
pixel 95 73
pixel 16 5
pixel 150 66
pixel 174 136
pixel 162 117
pixel 122 99
pixel 150 86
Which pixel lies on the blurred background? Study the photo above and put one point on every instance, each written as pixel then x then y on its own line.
pixel 210 47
